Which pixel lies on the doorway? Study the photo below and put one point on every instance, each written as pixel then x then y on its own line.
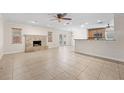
pixel 62 40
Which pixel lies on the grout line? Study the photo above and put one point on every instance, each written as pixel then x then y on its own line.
pixel 119 72
pixel 82 71
pixel 12 69
pixel 100 71
pixel 69 74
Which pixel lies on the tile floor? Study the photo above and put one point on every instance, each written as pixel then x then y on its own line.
pixel 58 64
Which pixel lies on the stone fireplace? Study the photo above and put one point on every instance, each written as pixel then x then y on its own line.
pixel 35 43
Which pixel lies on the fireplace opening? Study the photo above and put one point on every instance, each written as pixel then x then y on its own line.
pixel 36 43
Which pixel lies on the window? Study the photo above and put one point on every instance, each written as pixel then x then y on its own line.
pixel 50 37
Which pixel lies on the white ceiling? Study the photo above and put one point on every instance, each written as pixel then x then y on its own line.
pixel 44 19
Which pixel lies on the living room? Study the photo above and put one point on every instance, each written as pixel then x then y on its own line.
pixel 65 46
pixel 61 46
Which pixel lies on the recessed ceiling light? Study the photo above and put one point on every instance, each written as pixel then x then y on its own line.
pixel 99 21
pixel 82 25
pixel 34 22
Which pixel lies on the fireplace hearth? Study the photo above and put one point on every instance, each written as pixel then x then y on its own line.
pixel 36 43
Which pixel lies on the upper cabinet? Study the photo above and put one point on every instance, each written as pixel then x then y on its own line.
pixel 96 34
pixel 106 33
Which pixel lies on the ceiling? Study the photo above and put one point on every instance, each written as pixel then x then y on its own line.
pixel 79 20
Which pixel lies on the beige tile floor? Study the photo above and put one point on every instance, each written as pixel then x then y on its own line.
pixel 58 64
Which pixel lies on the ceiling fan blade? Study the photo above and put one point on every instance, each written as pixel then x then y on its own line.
pixel 64 14
pixel 66 18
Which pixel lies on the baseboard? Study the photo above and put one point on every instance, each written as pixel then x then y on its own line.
pixel 54 47
pixel 12 52
pixel 103 58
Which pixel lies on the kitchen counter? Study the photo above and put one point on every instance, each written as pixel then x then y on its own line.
pixel 100 48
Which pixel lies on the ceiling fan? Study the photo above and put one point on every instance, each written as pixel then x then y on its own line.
pixel 60 17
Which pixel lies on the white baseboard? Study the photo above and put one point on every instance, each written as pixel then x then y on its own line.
pixel 102 57
pixel 12 52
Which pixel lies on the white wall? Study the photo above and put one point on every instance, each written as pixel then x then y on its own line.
pixel 27 30
pixel 79 34
pixel 1 36
pixel 106 49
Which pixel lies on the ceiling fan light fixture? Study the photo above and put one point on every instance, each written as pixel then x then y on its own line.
pixel 61 17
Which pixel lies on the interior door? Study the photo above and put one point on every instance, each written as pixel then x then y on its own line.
pixel 60 40
pixel 64 40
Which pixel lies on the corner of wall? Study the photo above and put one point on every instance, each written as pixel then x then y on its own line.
pixel 1 36
pixel 1 55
